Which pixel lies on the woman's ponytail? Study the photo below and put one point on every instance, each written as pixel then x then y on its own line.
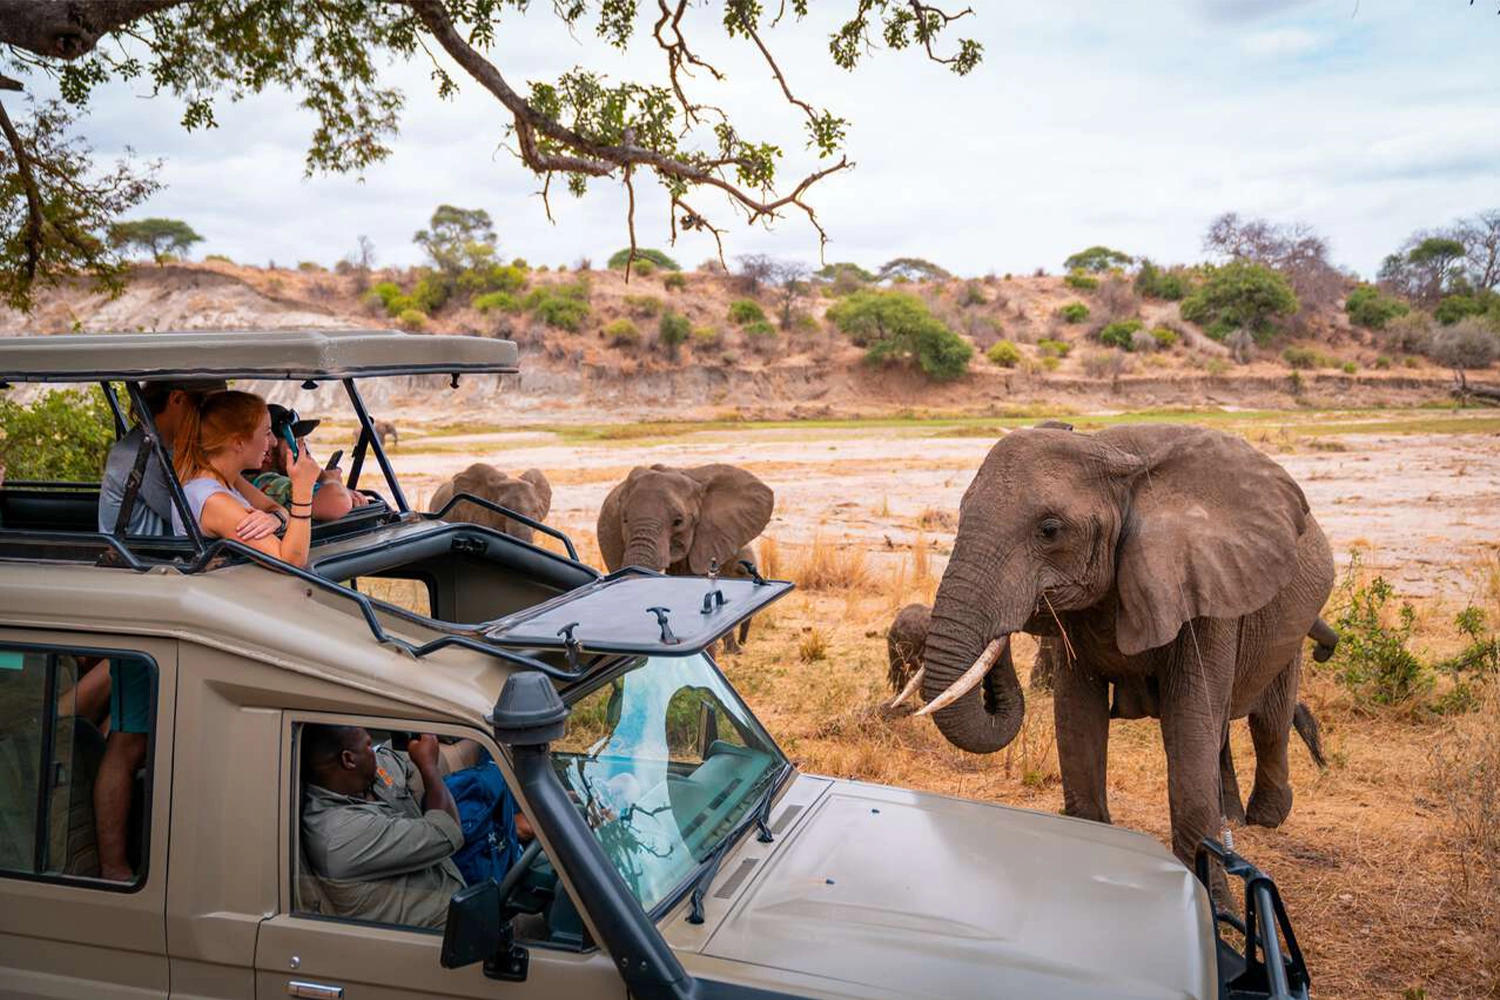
pixel 188 459
pixel 209 425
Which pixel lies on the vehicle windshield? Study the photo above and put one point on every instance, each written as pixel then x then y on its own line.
pixel 665 761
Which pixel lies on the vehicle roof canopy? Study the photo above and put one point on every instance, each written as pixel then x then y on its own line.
pixel 259 354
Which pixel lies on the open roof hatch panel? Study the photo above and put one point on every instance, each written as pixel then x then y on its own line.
pixel 637 612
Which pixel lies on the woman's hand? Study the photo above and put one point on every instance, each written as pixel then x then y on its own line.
pixel 257 524
pixel 302 470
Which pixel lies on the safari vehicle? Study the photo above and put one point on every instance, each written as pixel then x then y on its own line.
pixel 678 852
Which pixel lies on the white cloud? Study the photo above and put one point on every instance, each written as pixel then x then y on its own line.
pixel 1280 42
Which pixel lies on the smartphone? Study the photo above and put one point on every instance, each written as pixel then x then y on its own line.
pixel 286 435
pixel 333 460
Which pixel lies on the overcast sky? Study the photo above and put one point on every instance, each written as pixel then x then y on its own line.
pixel 1125 123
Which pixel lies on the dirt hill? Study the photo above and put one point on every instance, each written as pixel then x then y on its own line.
pixel 808 370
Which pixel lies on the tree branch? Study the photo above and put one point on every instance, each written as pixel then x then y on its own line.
pixel 34 217
pixel 67 30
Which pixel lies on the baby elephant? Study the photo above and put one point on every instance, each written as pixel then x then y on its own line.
pixel 685 521
pixel 529 494
pixel 906 644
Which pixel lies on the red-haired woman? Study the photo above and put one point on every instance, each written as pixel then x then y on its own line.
pixel 224 434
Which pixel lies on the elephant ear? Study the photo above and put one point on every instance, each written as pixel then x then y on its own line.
pixel 538 481
pixel 610 529
pixel 1211 532
pixel 736 507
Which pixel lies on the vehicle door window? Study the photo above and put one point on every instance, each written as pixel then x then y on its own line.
pixel 75 741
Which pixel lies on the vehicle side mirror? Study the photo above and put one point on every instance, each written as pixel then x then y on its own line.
pixel 473 932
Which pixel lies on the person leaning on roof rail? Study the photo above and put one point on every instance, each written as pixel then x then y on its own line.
pixel 222 435
pixel 331 500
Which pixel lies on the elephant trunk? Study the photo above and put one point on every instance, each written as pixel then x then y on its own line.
pixel 962 640
pixel 645 547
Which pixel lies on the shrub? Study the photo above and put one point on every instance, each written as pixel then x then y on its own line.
pixel 1456 307
pixel 1383 362
pixel 493 278
pixel 562 306
pixel 1371 308
pixel 706 337
pixel 430 294
pixel 1155 283
pixel 643 269
pixel 1004 353
pixel 1467 344
pixel 1349 367
pixel 622 332
pixel 1049 348
pixel 761 329
pixel 896 326
pixel 973 294
pixel 1119 334
pixel 1050 363
pixel 390 297
pixel 412 319
pixel 643 305
pixel 1372 660
pixel 1306 358
pixel 675 281
pixel 653 257
pixel 1074 312
pixel 1240 295
pixel 62 436
pixel 221 258
pixel 742 311
pixel 673 331
pixel 1165 336
pixel 1409 334
pixel 496 302
pixel 1142 342
pixel 1105 364
pixel 309 266
pixel 1081 281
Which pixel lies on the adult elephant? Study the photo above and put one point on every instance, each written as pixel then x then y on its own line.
pixel 529 494
pixel 685 521
pixel 1177 563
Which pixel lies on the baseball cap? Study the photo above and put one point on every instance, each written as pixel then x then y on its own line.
pixel 281 417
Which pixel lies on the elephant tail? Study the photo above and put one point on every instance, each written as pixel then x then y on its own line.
pixel 1307 727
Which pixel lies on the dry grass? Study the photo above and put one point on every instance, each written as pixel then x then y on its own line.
pixel 814 646
pixel 770 559
pixel 824 565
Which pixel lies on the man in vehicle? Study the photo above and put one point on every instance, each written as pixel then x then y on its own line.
pixel 331 500
pixel 379 826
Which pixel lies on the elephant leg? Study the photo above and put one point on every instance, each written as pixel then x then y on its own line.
pixel 1194 721
pixel 744 631
pixel 730 645
pixel 1080 711
pixel 1049 655
pixel 1270 728
pixel 1229 785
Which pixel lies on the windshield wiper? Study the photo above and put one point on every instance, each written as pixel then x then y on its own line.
pixel 710 868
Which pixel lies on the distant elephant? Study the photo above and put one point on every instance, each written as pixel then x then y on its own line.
pixel 684 521
pixel 385 429
pixel 906 642
pixel 1178 564
pixel 529 494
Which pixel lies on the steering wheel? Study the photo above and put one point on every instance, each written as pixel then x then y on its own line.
pixel 518 870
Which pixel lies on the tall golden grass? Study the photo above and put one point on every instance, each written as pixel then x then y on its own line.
pixel 824 565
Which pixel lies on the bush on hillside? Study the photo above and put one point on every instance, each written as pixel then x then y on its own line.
pixel 742 311
pixel 655 257
pixel 1047 347
pixel 1074 312
pixel 1371 308
pixel 622 333
pixel 1165 337
pixel 1004 353
pixel 1142 342
pixel 496 302
pixel 1468 344
pixel 643 305
pixel 1409 334
pixel 1082 282
pixel 493 278
pixel 706 338
pixel 1240 295
pixel 1153 282
pixel 1456 307
pixel 1119 334
pixel 565 307
pixel 674 281
pixel 1105 364
pixel 972 295
pixel 63 436
pixel 673 331
pixel 1307 358
pixel 412 319
pixel 896 327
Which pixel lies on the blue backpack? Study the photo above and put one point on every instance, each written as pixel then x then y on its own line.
pixel 487 813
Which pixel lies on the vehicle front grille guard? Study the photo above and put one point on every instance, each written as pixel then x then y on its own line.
pixel 1262 971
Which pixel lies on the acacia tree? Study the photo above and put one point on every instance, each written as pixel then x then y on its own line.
pixel 158 237
pixel 578 127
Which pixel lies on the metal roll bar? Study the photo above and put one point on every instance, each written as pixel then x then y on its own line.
pixel 490 505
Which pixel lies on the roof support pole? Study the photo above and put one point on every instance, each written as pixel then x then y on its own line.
pixel 368 435
pixel 122 427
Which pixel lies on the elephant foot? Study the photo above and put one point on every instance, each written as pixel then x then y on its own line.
pixel 731 647
pixel 1269 807
pixel 1234 812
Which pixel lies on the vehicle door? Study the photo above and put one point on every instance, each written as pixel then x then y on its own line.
pixel 86 725
pixel 308 949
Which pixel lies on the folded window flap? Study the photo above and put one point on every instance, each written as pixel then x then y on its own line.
pixel 638 612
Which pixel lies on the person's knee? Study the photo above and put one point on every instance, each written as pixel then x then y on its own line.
pixel 128 750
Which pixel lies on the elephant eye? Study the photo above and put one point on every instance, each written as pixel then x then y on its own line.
pixel 1049 527
pixel 676 522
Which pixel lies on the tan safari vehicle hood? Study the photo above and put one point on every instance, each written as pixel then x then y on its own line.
pixel 896 893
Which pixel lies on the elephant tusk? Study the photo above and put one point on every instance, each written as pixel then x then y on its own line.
pixel 969 680
pixel 910 689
